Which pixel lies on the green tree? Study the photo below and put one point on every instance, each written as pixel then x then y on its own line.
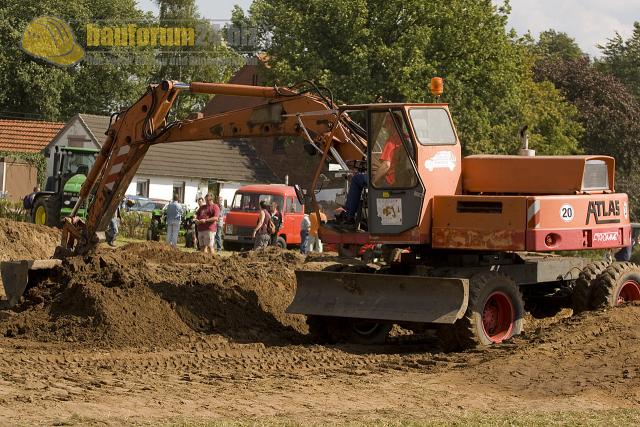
pixel 210 60
pixel 367 50
pixel 34 86
pixel 621 58
pixel 558 44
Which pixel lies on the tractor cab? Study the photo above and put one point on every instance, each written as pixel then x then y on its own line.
pixel 70 168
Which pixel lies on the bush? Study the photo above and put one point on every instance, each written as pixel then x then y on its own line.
pixel 134 225
pixel 14 211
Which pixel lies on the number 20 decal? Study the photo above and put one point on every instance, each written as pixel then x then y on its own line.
pixel 566 212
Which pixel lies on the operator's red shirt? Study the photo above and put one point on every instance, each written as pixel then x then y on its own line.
pixel 388 151
pixel 206 212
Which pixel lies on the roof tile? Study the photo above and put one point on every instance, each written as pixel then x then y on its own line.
pixel 27 136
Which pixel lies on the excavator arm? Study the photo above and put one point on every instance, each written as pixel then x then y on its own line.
pixel 287 112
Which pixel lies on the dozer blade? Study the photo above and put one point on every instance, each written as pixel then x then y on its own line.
pixel 380 296
pixel 16 275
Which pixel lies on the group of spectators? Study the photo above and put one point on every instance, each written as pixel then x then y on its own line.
pixel 208 221
pixel 269 223
pixel 309 238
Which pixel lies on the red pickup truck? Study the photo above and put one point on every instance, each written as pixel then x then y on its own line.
pixel 243 215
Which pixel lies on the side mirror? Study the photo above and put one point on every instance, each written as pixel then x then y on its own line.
pixel 299 193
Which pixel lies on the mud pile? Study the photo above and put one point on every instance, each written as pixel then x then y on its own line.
pixel 153 295
pixel 19 240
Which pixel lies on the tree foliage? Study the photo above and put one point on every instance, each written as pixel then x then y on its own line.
pixel 219 62
pixel 557 44
pixel 54 93
pixel 609 112
pixel 621 58
pixel 51 92
pixel 368 50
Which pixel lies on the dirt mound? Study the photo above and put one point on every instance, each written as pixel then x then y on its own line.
pixel 595 350
pixel 153 295
pixel 20 240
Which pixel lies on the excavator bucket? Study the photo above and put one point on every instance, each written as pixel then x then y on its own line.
pixel 380 296
pixel 17 275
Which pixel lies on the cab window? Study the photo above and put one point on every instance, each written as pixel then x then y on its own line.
pixel 390 163
pixel 432 126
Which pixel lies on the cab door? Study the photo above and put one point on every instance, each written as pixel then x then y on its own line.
pixel 395 191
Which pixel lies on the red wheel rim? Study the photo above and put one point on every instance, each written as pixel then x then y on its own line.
pixel 498 316
pixel 629 291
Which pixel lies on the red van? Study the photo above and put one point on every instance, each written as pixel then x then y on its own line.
pixel 243 215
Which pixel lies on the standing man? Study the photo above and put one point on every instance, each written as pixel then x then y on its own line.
pixel 276 217
pixel 174 219
pixel 262 234
pixel 220 226
pixel 27 201
pixel 112 229
pixel 206 223
pixel 315 245
pixel 305 225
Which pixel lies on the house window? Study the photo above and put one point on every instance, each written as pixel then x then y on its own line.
pixel 142 188
pixel 178 189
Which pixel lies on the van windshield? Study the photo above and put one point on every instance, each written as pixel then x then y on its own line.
pixel 250 202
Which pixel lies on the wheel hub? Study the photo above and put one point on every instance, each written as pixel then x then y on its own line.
pixel 629 291
pixel 498 317
pixel 365 328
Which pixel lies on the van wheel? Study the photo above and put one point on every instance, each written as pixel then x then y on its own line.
pixel 281 243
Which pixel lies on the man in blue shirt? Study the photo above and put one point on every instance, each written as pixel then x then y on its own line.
pixel 174 218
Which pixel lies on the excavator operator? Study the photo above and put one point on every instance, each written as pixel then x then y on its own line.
pixel 384 173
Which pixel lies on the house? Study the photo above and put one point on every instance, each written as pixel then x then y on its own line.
pixel 83 131
pixel 187 169
pixel 19 141
pixel 193 168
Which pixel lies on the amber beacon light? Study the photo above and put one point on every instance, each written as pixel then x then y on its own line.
pixel 437 86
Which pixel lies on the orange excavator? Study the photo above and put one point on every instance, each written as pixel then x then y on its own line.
pixel 469 242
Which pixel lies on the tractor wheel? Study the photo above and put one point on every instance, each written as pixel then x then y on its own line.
pixel 494 314
pixel 581 297
pixel 44 213
pixel 319 329
pixel 358 331
pixel 281 243
pixel 618 284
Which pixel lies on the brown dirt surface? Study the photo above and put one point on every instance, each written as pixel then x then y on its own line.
pixel 19 240
pixel 149 335
pixel 150 294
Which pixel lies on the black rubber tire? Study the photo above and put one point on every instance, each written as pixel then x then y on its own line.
pixel 606 288
pixel 348 250
pixel 52 214
pixel 318 330
pixel 545 309
pixel 581 296
pixel 468 332
pixel 357 331
pixel 232 246
pixel 281 243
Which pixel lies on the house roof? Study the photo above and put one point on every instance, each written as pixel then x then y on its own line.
pixel 28 136
pixel 96 125
pixel 233 161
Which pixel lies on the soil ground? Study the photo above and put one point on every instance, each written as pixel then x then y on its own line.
pixel 148 335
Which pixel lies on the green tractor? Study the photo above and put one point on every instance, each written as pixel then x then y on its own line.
pixel 70 168
pixel 158 225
